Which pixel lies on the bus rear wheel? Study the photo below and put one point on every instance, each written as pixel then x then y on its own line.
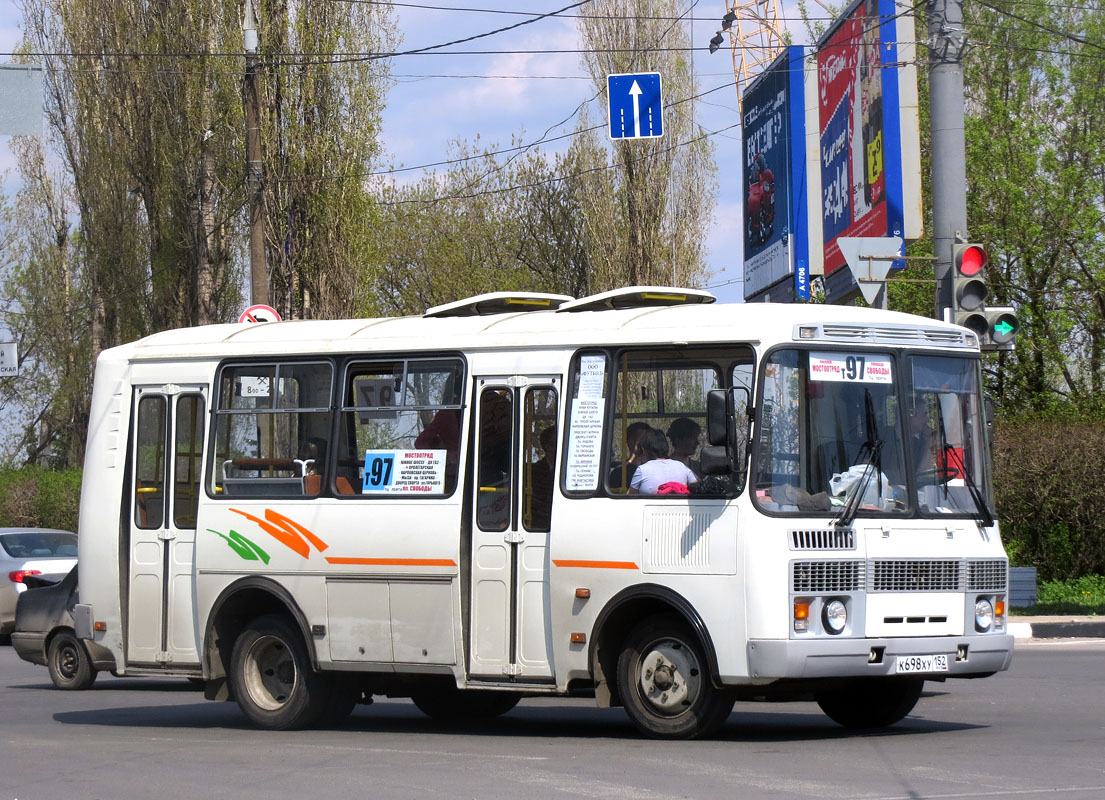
pixel 272 678
pixel 871 703
pixel 664 682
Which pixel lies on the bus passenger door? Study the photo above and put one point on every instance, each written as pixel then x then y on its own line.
pixel 165 476
pixel 515 475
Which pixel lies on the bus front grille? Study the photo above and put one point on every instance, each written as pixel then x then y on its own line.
pixel 898 575
pixel 819 577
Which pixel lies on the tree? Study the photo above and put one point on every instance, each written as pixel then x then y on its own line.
pixel 45 299
pixel 320 128
pixel 1036 168
pixel 648 222
pixel 490 223
pixel 144 111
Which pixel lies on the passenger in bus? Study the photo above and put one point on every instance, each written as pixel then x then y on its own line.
pixel 312 454
pixel 656 468
pixel 621 475
pixel 442 433
pixel 542 481
pixel 684 433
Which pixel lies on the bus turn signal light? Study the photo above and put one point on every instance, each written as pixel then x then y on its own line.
pixel 801 617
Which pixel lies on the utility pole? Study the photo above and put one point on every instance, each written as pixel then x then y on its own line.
pixel 949 151
pixel 259 278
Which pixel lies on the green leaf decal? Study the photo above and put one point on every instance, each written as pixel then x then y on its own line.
pixel 247 549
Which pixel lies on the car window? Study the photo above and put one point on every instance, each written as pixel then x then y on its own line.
pixel 35 545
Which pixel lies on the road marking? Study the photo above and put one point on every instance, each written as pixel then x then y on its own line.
pixel 1001 793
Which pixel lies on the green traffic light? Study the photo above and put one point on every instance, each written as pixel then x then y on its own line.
pixel 1004 328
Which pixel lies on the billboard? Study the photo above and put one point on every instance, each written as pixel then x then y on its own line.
pixel 864 110
pixel 776 240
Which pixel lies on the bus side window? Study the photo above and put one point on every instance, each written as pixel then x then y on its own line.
pixel 390 408
pixel 271 427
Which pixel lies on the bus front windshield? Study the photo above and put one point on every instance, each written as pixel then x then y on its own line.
pixel 837 428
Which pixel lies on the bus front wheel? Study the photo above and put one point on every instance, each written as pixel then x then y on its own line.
pixel 272 678
pixel 664 683
pixel 871 703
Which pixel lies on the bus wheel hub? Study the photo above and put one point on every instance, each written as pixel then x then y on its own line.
pixel 669 677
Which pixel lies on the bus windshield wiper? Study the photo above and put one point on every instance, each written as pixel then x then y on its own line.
pixel 871 466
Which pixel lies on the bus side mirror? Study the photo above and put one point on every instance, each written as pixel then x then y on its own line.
pixel 718 414
pixel 725 451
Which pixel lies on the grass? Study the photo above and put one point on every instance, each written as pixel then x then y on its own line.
pixel 1083 596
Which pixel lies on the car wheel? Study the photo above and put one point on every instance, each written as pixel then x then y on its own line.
pixel 272 678
pixel 68 662
pixel 871 703
pixel 664 682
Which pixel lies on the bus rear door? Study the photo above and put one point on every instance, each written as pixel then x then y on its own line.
pixel 165 485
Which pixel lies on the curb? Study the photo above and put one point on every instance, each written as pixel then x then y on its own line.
pixel 1058 629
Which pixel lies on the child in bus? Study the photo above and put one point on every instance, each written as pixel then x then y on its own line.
pixel 656 469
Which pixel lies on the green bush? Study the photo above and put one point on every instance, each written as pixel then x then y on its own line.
pixel 1049 494
pixel 1085 595
pixel 35 497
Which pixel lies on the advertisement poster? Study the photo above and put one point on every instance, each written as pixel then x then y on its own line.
pixel 851 127
pixel 774 187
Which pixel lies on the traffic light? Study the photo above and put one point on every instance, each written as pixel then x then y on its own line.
pixel 969 287
pixel 995 326
pixel 1001 328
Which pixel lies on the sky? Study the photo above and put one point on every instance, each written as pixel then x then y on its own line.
pixel 425 114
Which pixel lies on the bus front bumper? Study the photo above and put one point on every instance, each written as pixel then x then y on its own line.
pixel 965 656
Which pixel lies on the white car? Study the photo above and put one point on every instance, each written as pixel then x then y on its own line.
pixel 31 551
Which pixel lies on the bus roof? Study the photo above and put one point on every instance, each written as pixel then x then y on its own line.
pixel 745 322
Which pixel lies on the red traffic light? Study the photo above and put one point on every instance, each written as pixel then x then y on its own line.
pixel 970 259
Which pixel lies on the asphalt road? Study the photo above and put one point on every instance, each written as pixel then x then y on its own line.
pixel 1036 731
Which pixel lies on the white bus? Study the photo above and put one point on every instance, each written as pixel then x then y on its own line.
pixel 445 507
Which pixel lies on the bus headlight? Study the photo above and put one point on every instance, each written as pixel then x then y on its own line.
pixel 835 616
pixel 984 615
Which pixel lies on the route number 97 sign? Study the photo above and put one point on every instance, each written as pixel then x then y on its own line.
pixel 851 367
pixel 404 471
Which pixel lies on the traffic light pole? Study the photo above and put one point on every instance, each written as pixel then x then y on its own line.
pixel 948 143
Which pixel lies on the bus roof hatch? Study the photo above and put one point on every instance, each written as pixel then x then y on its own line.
pixel 498 303
pixel 639 297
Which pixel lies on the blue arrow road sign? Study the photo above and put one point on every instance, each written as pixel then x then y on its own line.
pixel 636 111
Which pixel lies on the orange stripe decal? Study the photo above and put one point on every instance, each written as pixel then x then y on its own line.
pixel 393 562
pixel 596 564
pixel 287 522
pixel 290 534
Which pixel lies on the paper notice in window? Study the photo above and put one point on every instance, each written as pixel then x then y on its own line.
pixel 592 376
pixel 585 444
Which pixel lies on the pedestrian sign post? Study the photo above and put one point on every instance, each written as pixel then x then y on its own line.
pixel 636 107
